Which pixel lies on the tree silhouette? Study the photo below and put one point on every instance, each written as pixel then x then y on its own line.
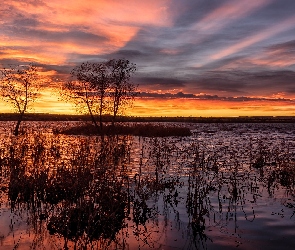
pixel 101 87
pixel 88 86
pixel 122 90
pixel 19 87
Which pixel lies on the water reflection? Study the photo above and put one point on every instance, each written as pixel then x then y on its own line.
pixel 208 191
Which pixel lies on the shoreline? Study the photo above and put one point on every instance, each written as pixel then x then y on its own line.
pixel 62 117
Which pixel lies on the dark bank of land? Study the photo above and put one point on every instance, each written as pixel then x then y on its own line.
pixel 138 129
pixel 240 119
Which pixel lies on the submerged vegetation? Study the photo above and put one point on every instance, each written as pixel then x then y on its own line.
pixel 125 192
pixel 146 130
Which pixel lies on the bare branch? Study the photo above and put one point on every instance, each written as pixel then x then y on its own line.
pixel 19 87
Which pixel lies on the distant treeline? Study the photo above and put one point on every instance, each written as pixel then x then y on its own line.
pixel 241 119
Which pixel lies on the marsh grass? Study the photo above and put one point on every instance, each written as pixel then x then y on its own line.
pixel 81 190
pixel 136 129
pixel 89 194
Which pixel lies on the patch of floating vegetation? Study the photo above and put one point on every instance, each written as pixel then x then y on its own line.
pixel 146 130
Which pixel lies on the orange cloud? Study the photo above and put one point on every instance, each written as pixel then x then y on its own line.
pixel 92 12
pixel 109 23
pixel 31 56
pixel 118 21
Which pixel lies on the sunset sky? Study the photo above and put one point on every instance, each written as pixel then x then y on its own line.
pixel 193 57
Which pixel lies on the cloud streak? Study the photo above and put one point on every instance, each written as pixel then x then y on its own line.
pixel 287 24
pixel 212 97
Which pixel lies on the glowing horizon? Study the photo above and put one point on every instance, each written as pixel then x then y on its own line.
pixel 157 107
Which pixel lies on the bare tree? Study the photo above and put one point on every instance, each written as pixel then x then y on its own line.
pixel 102 88
pixel 19 87
pixel 88 86
pixel 122 91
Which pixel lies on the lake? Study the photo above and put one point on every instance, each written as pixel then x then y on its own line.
pixel 227 186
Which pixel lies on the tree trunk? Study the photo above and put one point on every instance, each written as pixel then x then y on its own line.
pixel 100 117
pixel 116 106
pixel 95 123
pixel 16 129
pixel 92 118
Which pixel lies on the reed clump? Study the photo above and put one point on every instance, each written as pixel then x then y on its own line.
pixel 146 130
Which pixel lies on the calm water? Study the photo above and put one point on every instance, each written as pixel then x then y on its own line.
pixel 228 186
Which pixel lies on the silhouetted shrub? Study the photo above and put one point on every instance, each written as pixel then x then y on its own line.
pixel 146 130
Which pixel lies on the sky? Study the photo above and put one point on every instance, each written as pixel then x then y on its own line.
pixel 193 57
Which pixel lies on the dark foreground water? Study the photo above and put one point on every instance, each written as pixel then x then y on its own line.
pixel 228 186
